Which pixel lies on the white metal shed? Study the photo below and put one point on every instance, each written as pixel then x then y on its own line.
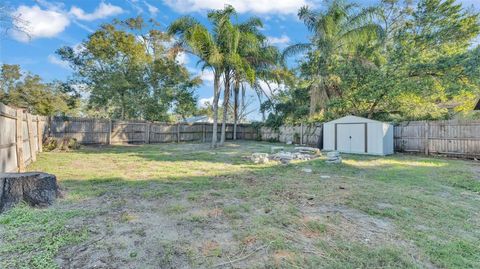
pixel 359 135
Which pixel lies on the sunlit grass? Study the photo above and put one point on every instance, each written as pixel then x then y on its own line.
pixel 431 205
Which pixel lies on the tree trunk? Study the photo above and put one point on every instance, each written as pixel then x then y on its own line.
pixel 216 95
pixel 226 96
pixel 318 97
pixel 235 108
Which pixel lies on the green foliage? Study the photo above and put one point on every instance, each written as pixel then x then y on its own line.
pixel 25 90
pixel 130 73
pixel 289 107
pixel 61 144
pixel 393 61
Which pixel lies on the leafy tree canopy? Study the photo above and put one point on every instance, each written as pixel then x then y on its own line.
pixel 395 61
pixel 25 90
pixel 131 72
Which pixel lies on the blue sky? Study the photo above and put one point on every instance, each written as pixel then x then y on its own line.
pixel 56 24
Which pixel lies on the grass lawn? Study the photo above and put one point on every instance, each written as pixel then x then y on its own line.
pixel 185 206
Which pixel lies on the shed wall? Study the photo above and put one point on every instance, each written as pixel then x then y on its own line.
pixel 379 135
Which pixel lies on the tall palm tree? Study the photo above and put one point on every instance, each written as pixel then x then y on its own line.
pixel 229 40
pixel 258 58
pixel 238 42
pixel 195 38
pixel 336 33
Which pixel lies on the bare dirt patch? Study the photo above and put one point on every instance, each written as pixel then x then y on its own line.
pixel 352 224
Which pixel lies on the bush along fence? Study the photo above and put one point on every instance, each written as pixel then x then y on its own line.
pixel 21 136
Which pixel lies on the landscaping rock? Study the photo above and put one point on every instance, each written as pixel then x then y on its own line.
pixel 36 189
pixel 307 170
pixel 333 157
pixel 333 154
pixel 283 157
pixel 307 150
pixel 259 158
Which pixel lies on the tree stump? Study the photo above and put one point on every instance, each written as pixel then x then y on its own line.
pixel 36 189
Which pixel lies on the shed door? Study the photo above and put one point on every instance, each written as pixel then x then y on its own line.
pixel 351 137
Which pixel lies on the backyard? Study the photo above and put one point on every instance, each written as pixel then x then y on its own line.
pixel 186 206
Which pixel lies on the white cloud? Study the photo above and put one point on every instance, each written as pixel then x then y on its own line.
pixel 83 26
pixel 182 58
pixel 282 41
pixel 39 23
pixel 271 88
pixel 55 6
pixel 153 10
pixel 134 4
pixel 57 61
pixel 242 6
pixel 102 11
pixel 204 101
pixel 206 75
pixel 48 19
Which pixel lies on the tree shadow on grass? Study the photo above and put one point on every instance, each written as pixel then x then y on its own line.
pixel 178 152
pixel 267 200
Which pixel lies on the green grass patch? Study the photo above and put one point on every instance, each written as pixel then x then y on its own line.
pixel 33 237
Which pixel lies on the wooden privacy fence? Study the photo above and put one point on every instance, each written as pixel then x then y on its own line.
pixel 103 131
pixel 21 136
pixel 308 134
pixel 457 138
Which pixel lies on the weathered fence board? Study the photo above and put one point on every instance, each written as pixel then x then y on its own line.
pixel 8 151
pixel 20 138
pixel 99 131
pixel 86 131
pixel 451 138
pixel 310 134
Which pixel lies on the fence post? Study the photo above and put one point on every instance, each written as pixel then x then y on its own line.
pixel 427 143
pixel 109 135
pixel 203 133
pixel 39 135
pixel 147 133
pixel 31 138
pixel 19 141
pixel 301 133
pixel 178 132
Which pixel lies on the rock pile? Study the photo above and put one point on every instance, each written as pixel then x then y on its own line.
pixel 307 150
pixel 259 158
pixel 334 157
pixel 285 157
pixel 36 189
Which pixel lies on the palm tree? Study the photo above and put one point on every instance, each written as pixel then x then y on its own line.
pixel 336 34
pixel 238 43
pixel 258 58
pixel 228 38
pixel 195 38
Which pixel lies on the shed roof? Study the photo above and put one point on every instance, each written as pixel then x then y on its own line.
pixel 352 118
